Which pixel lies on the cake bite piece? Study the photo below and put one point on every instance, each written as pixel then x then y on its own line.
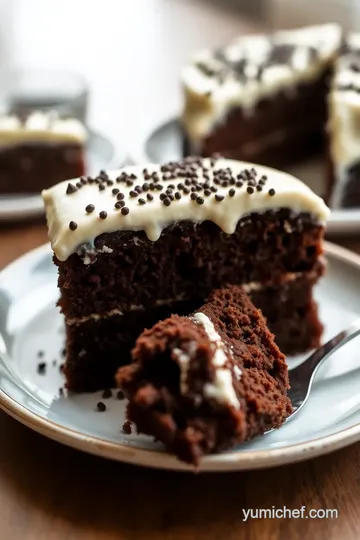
pixel 344 128
pixel 261 98
pixel 136 245
pixel 203 383
pixel 39 151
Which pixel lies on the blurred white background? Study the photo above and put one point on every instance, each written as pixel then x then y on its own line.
pixel 131 51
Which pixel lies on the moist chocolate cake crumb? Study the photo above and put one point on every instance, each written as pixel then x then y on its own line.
pixel 100 406
pixel 41 368
pixel 203 383
pixel 107 393
pixel 126 429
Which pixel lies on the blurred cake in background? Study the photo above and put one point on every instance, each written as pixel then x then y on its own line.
pixel 344 128
pixel 262 98
pixel 39 150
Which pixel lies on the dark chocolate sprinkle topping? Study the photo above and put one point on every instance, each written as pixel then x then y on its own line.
pixel 101 407
pixel 103 214
pixel 73 225
pixel 90 208
pixel 70 189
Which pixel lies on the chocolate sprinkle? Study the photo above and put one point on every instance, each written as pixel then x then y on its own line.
pixel 219 198
pixel 200 200
pixel 73 225
pixel 70 189
pixel 271 192
pixel 107 393
pixel 125 211
pixel 142 201
pixel 103 214
pixel 149 197
pixel 41 369
pixel 231 192
pixel 127 427
pixel 101 407
pixel 250 190
pixel 90 208
pixel 120 395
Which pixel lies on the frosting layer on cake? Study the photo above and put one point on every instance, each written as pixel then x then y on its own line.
pixel 250 69
pixel 195 189
pixel 344 115
pixel 46 127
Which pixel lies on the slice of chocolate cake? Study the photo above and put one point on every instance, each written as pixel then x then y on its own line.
pixel 262 98
pixel 136 245
pixel 39 151
pixel 203 383
pixel 344 128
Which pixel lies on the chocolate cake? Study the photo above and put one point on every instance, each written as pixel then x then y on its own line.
pixel 203 383
pixel 262 98
pixel 136 245
pixel 39 151
pixel 344 128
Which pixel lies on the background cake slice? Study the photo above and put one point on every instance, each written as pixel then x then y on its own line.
pixel 136 245
pixel 344 128
pixel 201 384
pixel 39 151
pixel 261 98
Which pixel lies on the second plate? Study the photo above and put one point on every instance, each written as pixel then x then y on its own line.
pixel 165 144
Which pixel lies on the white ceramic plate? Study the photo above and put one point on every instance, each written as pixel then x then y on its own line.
pixel 100 154
pixel 165 144
pixel 29 322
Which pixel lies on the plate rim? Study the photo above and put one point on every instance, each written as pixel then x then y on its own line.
pixel 227 461
pixel 342 221
pixel 34 204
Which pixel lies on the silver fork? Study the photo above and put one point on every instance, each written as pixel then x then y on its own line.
pixel 302 377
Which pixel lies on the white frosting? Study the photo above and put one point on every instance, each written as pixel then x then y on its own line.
pixel 344 116
pixel 154 216
pixel 184 359
pixel 45 127
pixel 222 388
pixel 209 98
